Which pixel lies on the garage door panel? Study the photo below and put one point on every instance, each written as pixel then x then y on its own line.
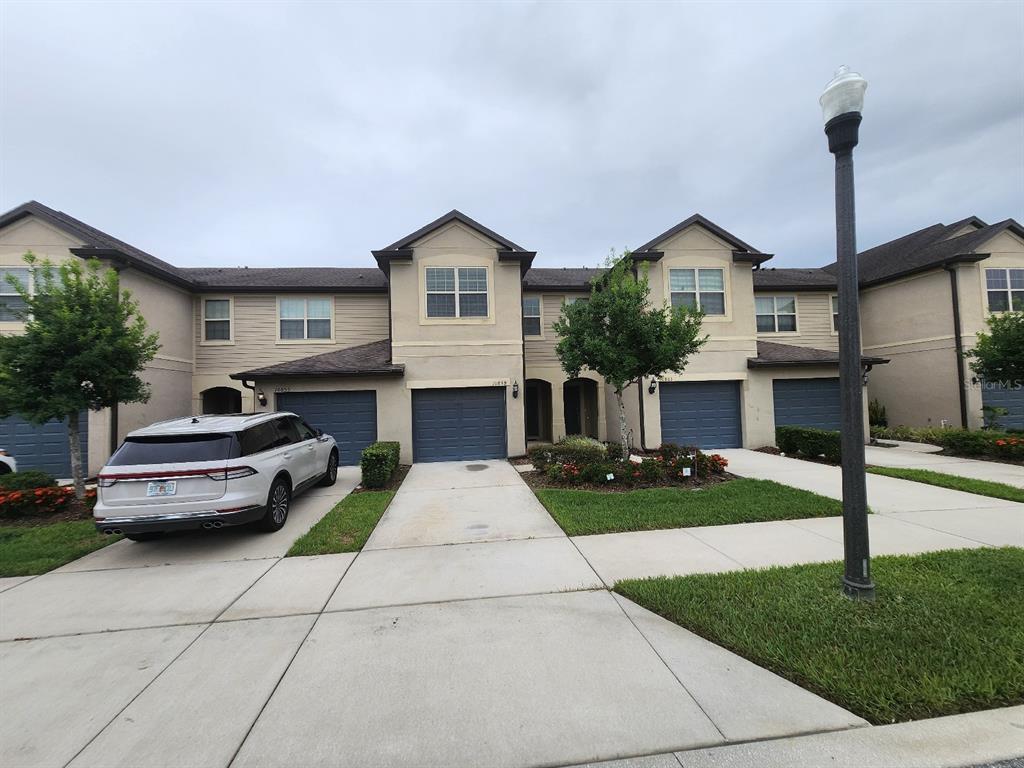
pixel 44 447
pixel 701 413
pixel 807 403
pixel 1012 399
pixel 349 417
pixel 459 424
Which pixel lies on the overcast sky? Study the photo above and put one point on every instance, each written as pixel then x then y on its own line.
pixel 307 134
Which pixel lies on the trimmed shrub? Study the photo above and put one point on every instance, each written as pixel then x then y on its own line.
pixel 962 442
pixel 30 479
pixel 378 463
pixel 615 452
pixel 575 450
pixel 43 501
pixel 809 442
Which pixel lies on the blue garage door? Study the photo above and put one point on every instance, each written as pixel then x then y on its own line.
pixel 701 413
pixel 458 424
pixel 349 417
pixel 44 448
pixel 1011 399
pixel 807 403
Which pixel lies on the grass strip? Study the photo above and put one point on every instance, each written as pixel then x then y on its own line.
pixel 943 635
pixel 27 551
pixel 955 482
pixel 582 513
pixel 346 527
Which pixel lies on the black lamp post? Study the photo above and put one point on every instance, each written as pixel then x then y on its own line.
pixel 841 105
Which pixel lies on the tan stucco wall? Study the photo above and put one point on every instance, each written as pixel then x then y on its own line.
pixel 813 321
pixel 461 352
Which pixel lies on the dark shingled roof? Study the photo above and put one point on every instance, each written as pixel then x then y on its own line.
pixel 772 355
pixel 793 279
pixel 560 278
pixel 94 238
pixel 709 225
pixel 928 248
pixel 368 279
pixel 373 359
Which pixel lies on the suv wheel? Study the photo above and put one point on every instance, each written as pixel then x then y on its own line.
pixel 331 475
pixel 279 500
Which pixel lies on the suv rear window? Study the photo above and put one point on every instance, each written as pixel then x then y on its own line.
pixel 175 449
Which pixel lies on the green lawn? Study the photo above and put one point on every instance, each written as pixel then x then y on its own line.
pixel 957 483
pixel 27 551
pixel 737 501
pixel 943 636
pixel 346 527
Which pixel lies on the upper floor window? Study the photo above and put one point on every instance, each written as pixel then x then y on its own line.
pixel 1005 289
pixel 574 299
pixel 305 318
pixel 699 288
pixel 776 314
pixel 531 316
pixel 216 319
pixel 456 291
pixel 835 313
pixel 11 303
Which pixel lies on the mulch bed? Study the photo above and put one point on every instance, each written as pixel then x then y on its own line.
pixel 537 479
pixel 73 510
pixel 392 484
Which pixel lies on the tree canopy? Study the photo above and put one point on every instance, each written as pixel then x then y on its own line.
pixel 83 347
pixel 998 355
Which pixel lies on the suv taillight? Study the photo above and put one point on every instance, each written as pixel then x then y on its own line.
pixel 231 473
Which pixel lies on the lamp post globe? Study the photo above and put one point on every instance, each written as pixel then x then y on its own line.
pixel 841 106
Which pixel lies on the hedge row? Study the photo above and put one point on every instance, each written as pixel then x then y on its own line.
pixel 574 449
pixel 962 442
pixel 378 463
pixel 809 442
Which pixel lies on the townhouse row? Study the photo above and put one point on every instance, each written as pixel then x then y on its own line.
pixel 447 345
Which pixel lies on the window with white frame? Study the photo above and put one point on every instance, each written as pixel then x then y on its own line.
pixel 1005 289
pixel 776 314
pixel 11 303
pixel 699 288
pixel 835 313
pixel 531 316
pixel 305 319
pixel 216 319
pixel 574 299
pixel 456 291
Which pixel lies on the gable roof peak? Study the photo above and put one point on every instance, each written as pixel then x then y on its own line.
pixel 453 215
pixel 707 224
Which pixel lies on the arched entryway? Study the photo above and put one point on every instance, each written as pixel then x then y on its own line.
pixel 537 403
pixel 221 400
pixel 579 397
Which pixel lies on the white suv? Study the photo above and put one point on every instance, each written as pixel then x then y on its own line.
pixel 211 471
pixel 7 463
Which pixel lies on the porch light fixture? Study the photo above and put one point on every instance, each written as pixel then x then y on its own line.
pixel 841 106
pixel 261 397
pixel 652 386
pixel 515 390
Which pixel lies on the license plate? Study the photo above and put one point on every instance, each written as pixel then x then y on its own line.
pixel 162 488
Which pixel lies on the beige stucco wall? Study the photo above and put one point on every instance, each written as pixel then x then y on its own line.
pixel 460 352
pixel 813 321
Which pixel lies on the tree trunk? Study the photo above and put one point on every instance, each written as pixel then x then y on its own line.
pixel 623 432
pixel 75 444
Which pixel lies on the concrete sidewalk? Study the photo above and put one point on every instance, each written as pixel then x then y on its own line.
pixel 995 471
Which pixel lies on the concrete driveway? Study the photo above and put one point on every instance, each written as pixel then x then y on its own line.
pixel 480 638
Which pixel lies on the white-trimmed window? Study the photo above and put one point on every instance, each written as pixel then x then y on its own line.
pixel 531 316
pixel 11 303
pixel 456 291
pixel 304 319
pixel 776 314
pixel 698 288
pixel 835 313
pixel 216 319
pixel 574 299
pixel 1005 289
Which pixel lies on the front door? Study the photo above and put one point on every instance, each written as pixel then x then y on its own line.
pixel 573 409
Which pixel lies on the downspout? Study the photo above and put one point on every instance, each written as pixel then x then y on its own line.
pixel 253 388
pixel 959 344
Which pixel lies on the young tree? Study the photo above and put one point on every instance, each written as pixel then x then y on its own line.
pixel 618 335
pixel 999 354
pixel 83 348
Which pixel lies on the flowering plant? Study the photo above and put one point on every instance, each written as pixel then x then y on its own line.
pixel 39 501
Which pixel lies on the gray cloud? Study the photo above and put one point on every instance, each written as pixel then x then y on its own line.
pixel 265 134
